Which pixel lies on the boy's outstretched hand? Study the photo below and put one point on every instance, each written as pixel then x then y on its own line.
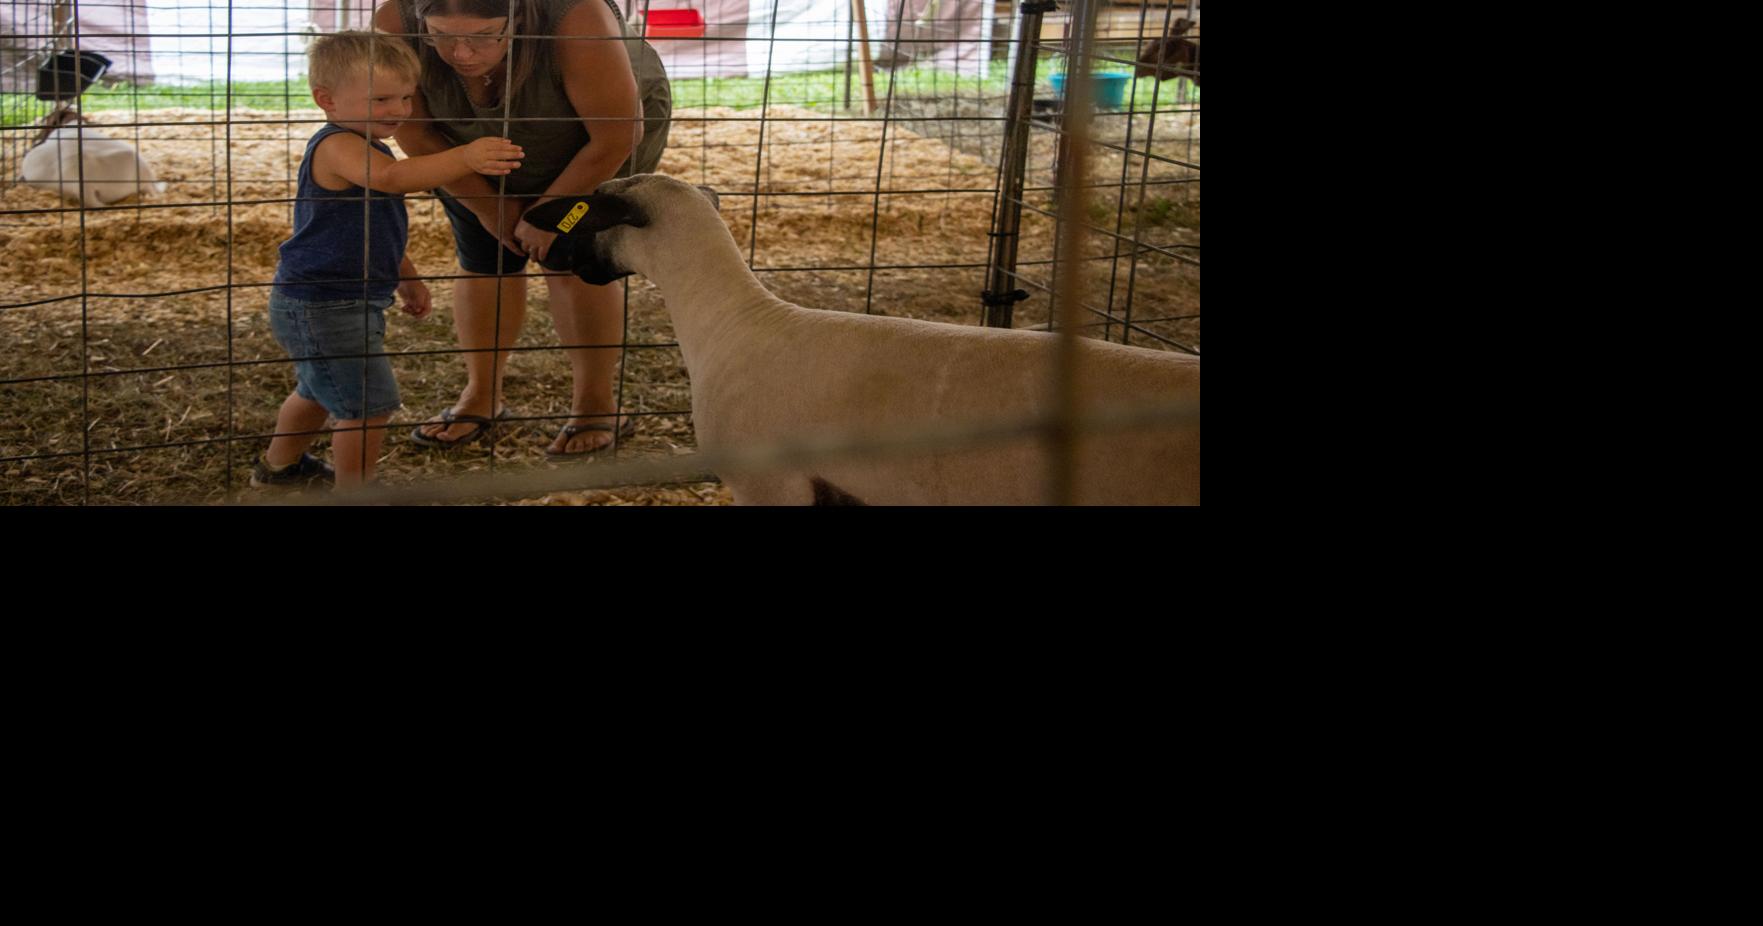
pixel 493 156
pixel 416 301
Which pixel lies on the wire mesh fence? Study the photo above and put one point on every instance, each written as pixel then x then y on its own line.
pixel 859 150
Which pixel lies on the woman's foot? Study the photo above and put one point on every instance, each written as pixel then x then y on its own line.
pixel 453 429
pixel 583 435
pixel 467 421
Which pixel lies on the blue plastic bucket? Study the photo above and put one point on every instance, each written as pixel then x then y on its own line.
pixel 1109 88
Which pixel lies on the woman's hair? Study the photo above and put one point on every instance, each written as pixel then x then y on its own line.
pixel 342 56
pixel 528 18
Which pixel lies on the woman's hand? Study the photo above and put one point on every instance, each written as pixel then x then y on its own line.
pixel 536 240
pixel 510 221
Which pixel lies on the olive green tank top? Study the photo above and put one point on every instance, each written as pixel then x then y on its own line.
pixel 558 133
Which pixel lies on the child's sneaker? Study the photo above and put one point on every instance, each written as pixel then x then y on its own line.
pixel 307 471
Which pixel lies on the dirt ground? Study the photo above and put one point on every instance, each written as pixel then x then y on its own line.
pixel 141 368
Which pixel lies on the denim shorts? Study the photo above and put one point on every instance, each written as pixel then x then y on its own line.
pixel 327 341
pixel 476 246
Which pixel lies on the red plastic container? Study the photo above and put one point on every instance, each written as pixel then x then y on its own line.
pixel 673 24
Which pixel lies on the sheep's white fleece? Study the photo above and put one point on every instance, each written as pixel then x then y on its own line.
pixel 765 370
pixel 114 170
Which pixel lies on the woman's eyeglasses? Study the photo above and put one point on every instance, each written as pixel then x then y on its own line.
pixel 474 42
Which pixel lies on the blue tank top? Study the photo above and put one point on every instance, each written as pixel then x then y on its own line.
pixel 323 260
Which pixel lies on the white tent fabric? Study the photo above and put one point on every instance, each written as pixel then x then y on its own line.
pixel 31 31
pixel 118 31
pixel 159 41
pixel 786 36
pixel 742 38
pixel 262 40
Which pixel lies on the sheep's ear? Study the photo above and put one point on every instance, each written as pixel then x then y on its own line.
pixel 584 215
pixel 715 200
pixel 546 216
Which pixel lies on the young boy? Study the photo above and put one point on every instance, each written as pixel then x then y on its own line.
pixel 328 305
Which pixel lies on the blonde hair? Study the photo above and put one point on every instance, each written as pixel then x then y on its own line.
pixel 341 56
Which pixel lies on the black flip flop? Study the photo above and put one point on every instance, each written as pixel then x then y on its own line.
pixel 628 431
pixel 449 417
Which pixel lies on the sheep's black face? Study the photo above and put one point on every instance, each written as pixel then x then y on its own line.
pixel 579 223
pixel 586 258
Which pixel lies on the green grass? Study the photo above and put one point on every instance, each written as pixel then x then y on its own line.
pixel 814 89
pixel 827 88
pixel 1166 95
pixel 276 95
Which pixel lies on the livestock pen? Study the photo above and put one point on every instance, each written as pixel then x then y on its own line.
pixel 869 158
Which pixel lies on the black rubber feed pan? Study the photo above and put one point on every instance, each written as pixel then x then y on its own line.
pixel 67 75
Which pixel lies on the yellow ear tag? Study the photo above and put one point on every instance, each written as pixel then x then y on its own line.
pixel 574 216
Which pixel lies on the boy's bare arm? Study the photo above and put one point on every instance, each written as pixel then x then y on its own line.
pixel 348 158
pixel 418 137
pixel 472 190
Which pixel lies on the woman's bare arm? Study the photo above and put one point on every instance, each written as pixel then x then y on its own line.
pixel 598 80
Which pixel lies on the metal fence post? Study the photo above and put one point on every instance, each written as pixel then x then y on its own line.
pixel 1001 295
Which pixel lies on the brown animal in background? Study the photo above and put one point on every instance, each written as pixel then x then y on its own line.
pixel 1162 57
pixel 62 115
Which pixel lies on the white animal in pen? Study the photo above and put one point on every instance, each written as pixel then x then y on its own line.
pixel 764 370
pixel 88 167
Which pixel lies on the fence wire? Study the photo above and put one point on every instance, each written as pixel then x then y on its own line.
pixel 224 120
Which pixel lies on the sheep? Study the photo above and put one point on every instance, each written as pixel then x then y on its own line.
pixel 763 370
pixel 113 169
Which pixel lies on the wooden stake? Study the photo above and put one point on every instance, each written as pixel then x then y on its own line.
pixel 868 67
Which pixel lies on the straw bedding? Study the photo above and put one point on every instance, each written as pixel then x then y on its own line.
pixel 167 299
